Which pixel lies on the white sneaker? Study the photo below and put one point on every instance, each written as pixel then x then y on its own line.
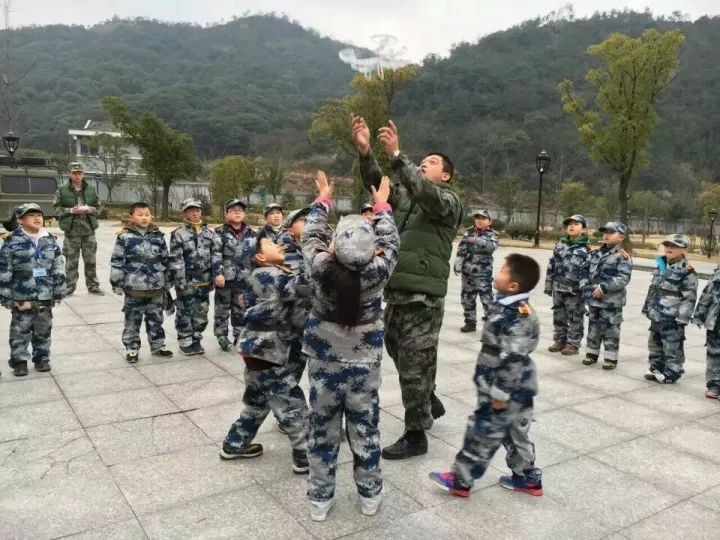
pixel 319 509
pixel 369 505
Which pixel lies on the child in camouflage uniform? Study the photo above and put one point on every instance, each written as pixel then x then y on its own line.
pixel 604 293
pixel 235 239
pixel 195 267
pixel 707 314
pixel 506 380
pixel 669 305
pixel 343 340
pixel 475 261
pixel 273 228
pixel 32 281
pixel 568 267
pixel 139 269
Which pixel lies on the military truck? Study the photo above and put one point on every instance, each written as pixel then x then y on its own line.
pixel 26 179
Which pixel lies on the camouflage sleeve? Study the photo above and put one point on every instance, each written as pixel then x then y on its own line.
pixel 461 252
pixel 703 305
pixel 621 280
pixel 387 244
pixel 315 234
pixel 549 274
pixel 516 343
pixel 487 244
pixel 117 263
pixel 60 211
pixel 648 297
pixel 177 262
pixel 688 291
pixel 165 257
pixel 216 255
pixel 296 287
pixel 6 271
pixel 443 204
pixel 58 274
pixel 371 174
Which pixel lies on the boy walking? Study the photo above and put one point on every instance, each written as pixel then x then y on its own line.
pixel 32 281
pixel 706 314
pixel 568 267
pixel 669 305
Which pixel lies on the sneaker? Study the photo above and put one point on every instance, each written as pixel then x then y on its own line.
pixel 280 428
pixel 300 462
pixel 650 376
pixel 319 509
pixel 448 482
pixel 96 291
pixel 224 343
pixel 412 443
pixel 162 351
pixel 569 350
pixel 43 366
pixel 198 347
pixel 370 505
pixel 520 483
pixel 20 369
pixel 250 451
pixel 609 364
pixel 590 359
pixel 712 393
pixel 667 377
pixel 131 357
pixel 556 347
pixel 469 327
pixel 437 409
pixel 190 350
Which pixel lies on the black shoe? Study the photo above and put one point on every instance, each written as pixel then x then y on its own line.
pixel 437 409
pixel 131 357
pixel 20 369
pixel 412 443
pixel 191 350
pixel 42 366
pixel 198 348
pixel 96 291
pixel 249 451
pixel 469 327
pixel 300 462
pixel 163 352
pixel 590 359
pixel 609 364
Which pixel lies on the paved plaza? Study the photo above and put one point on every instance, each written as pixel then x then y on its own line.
pixel 101 449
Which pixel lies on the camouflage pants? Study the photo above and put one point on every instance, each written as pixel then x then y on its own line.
pixel 271 389
pixel 152 310
pixel 472 287
pixel 31 326
pixel 568 312
pixel 712 371
pixel 666 349
pixel 227 309
pixel 488 429
pixel 72 247
pixel 349 389
pixel 296 359
pixel 191 317
pixel 411 340
pixel 604 329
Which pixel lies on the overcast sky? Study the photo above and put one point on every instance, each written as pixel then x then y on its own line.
pixel 423 26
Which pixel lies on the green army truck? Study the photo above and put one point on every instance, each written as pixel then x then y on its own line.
pixel 26 179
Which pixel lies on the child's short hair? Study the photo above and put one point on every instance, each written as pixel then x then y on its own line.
pixel 448 166
pixel 138 205
pixel 524 270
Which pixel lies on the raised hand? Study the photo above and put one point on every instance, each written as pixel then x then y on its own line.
pixel 388 137
pixel 382 193
pixel 325 188
pixel 360 134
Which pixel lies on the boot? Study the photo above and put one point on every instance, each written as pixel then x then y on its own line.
pixel 569 350
pixel 556 347
pixel 590 359
pixel 469 327
pixel 437 409
pixel 412 443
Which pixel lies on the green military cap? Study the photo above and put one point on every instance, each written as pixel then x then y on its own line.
pixel 76 167
pixel 679 240
pixel 190 202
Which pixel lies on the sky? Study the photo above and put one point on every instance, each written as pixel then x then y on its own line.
pixel 422 26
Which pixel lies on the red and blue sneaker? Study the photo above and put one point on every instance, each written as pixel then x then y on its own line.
pixel 448 482
pixel 521 483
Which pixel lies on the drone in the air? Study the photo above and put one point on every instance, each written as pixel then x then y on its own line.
pixel 386 57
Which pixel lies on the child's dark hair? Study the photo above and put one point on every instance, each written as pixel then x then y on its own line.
pixel 448 166
pixel 138 205
pixel 344 283
pixel 524 270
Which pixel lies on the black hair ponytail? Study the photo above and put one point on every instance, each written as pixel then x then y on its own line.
pixel 344 284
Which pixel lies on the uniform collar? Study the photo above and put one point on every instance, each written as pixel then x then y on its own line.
pixel 507 300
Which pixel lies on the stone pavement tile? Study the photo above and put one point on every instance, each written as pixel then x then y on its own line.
pixel 23 392
pixel 548 364
pixel 455 419
pixel 577 432
pixel 599 380
pixel 425 525
pixel 345 517
pixel 61 506
pixel 502 514
pixel 693 438
pixel 145 437
pixel 67 339
pixel 121 406
pixel 124 530
pixel 452 379
pixel 686 520
pixel 189 369
pixel 204 393
pixel 163 481
pixel 250 513
pixel 709 499
pixel 565 393
pixel 110 315
pixel 691 386
pixel 659 464
pixel 675 403
pixel 390 393
pixel 455 354
pixel 66 319
pixel 93 304
pixel 627 415
pixel 540 402
pixel 76 362
pixel 712 421
pixel 57 455
pixel 215 420
pixel 101 382
pixel 231 362
pixel 36 419
pixel 608 495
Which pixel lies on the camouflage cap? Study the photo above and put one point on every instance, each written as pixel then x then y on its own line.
pixel 354 242
pixel 272 206
pixel 293 216
pixel 679 240
pixel 26 208
pixel 367 207
pixel 576 217
pixel 614 226
pixel 76 167
pixel 233 202
pixel 484 213
pixel 190 202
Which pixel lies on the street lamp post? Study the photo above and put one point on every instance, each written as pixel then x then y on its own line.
pixel 11 142
pixel 712 214
pixel 542 162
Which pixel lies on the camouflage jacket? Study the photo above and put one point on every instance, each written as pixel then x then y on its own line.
pixel 234 254
pixel 475 252
pixel 302 288
pixel 269 300
pixel 672 293
pixel 326 340
pixel 293 251
pixel 568 266
pixel 191 256
pixel 610 269
pixel 275 235
pixel 29 271
pixel 140 262
pixel 707 310
pixel 504 368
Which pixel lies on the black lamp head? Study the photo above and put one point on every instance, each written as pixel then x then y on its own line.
pixel 542 162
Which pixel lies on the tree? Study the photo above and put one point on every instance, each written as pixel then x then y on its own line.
pixel 167 155
pixel 230 176
pixel 508 195
pixel 634 73
pixel 573 198
pixel 272 176
pixel 647 204
pixel 709 198
pixel 115 159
